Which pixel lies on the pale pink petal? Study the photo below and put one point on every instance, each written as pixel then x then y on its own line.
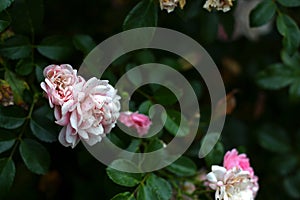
pixel 74 121
pixel 83 134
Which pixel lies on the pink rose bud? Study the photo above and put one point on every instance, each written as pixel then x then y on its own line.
pixel 139 121
pixel 233 159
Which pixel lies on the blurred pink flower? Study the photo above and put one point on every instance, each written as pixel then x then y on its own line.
pixel 59 81
pixel 233 159
pixel 91 113
pixel 139 121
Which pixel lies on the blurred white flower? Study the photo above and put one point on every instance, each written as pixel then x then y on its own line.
pixel 233 184
pixel 170 5
pixel 224 5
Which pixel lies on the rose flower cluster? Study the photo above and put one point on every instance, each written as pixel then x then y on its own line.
pixel 87 110
pixel 235 180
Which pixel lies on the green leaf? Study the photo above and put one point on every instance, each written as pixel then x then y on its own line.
pixel 165 96
pixel 183 166
pixel 160 187
pixel 294 90
pixel 7 174
pixel 5 4
pixel 274 138
pixel 42 124
pixel 27 16
pixel 35 156
pixel 17 86
pixel 124 196
pixel 11 117
pixel 291 185
pixel 262 13
pixel 24 67
pixel 154 144
pixel 134 145
pixel 123 178
pixel 144 14
pixel 41 129
pixel 144 193
pixel 3 25
pixel 56 47
pixel 173 124
pixel 289 29
pixel 145 106
pixel 6 145
pixel 291 61
pixel 145 56
pixel 284 165
pixel 84 43
pixel 284 23
pixel 289 3
pixel 16 47
pixel 275 77
pixel 215 156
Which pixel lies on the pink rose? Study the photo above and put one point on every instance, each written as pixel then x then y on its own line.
pixel 58 85
pixel 139 121
pixel 233 159
pixel 91 113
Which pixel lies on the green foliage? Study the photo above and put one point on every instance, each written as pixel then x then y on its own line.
pixel 216 155
pixel 84 43
pixel 291 184
pixel 176 123
pixel 123 178
pixel 159 187
pixel 6 145
pixel 184 166
pixel 35 156
pixel 16 47
pixel 5 4
pixel 3 25
pixel 275 77
pixel 17 86
pixel 289 3
pixel 43 128
pixel 24 67
pixel 289 29
pixel 11 117
pixel 7 174
pixel 274 139
pixel 56 47
pixel 144 14
pixel 145 193
pixel 262 13
pixel 36 33
pixel 124 196
pixel 27 16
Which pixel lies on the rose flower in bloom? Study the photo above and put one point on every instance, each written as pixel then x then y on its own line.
pixel 224 5
pixel 170 5
pixel 139 121
pixel 235 180
pixel 59 82
pixel 87 109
